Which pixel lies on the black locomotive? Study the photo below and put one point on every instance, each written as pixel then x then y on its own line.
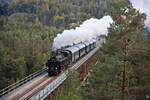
pixel 57 62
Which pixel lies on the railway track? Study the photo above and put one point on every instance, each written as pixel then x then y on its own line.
pixel 43 85
pixel 21 95
pixel 21 82
pixel 46 81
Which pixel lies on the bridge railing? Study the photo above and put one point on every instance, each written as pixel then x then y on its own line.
pixel 41 95
pixel 20 82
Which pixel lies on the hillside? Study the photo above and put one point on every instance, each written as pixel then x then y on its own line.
pixel 122 71
pixel 28 27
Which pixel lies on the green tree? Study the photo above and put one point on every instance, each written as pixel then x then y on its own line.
pixel 58 21
pixel 106 80
pixel 12 68
pixel 71 89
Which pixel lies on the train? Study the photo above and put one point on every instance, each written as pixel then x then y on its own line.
pixel 60 59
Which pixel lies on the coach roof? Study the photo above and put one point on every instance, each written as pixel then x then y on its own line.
pixel 73 49
pixel 80 45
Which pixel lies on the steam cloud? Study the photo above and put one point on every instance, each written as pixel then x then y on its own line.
pixel 144 7
pixel 86 31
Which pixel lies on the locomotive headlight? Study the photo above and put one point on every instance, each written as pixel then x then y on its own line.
pixel 46 67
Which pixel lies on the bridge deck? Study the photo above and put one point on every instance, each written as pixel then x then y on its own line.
pixel 22 88
pixel 41 86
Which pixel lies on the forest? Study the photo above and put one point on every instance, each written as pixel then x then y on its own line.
pixel 28 27
pixel 27 30
pixel 127 48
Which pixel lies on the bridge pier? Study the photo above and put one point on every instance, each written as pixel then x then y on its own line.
pixel 85 68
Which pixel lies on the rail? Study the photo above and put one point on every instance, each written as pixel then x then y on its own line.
pixel 20 82
pixel 52 86
pixel 47 89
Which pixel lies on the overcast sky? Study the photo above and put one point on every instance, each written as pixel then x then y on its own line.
pixel 144 7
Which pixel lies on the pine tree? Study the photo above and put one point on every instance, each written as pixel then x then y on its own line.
pixel 111 77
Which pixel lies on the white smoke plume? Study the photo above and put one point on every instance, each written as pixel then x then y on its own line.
pixel 144 7
pixel 86 31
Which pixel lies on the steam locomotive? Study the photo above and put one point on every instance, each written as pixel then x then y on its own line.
pixel 62 58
